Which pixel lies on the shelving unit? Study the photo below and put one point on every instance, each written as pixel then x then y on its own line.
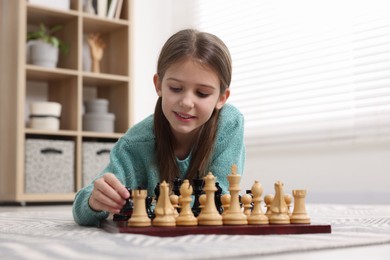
pixel 65 84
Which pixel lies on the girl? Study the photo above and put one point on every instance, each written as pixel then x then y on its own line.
pixel 192 131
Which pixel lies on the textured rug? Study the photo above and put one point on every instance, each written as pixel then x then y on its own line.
pixel 54 235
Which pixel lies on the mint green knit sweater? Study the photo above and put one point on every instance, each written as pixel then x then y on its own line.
pixel 132 160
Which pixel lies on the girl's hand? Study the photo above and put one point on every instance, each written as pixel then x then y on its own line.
pixel 108 194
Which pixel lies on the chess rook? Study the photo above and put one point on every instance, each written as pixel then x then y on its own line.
pixel 299 215
pixel 139 218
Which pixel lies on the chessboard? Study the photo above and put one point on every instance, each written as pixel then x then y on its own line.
pixel 212 212
pixel 122 227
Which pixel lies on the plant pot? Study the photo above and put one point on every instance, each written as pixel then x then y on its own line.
pixel 42 54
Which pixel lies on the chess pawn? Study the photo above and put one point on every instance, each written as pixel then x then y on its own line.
pixel 279 207
pixel 139 218
pixel 246 200
pixel 234 215
pixel 164 210
pixel 299 215
pixel 175 203
pixel 268 200
pixel 186 217
pixel 225 200
pixel 209 215
pixel 257 217
pixel 202 201
pixel 288 200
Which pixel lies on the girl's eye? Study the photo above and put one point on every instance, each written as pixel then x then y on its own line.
pixel 202 95
pixel 175 89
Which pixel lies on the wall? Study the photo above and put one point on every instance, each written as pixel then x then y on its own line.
pixel 154 22
pixel 344 174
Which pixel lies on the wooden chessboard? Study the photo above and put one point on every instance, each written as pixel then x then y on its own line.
pixel 121 227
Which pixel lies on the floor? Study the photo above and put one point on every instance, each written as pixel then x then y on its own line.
pixel 367 252
pixel 18 208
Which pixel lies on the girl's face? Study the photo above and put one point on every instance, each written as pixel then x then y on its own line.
pixel 190 92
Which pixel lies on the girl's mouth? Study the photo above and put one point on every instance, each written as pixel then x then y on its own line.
pixel 183 116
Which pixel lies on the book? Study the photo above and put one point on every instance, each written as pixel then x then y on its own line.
pixel 112 8
pixel 118 9
pixel 102 8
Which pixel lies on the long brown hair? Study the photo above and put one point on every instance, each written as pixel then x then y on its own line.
pixel 208 50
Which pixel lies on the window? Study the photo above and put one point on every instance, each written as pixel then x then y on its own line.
pixel 306 72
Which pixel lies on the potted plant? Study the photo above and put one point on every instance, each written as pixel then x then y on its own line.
pixel 43 46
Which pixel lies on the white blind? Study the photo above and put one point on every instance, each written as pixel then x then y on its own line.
pixel 306 71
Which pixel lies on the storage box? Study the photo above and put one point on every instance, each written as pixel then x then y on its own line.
pixel 96 156
pixel 57 4
pixel 49 166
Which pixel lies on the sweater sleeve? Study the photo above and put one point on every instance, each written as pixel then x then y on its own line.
pixel 83 214
pixel 229 148
pixel 126 163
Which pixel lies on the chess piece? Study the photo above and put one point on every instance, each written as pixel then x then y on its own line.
pixel 96 45
pixel 218 195
pixel 246 200
pixel 279 207
pixel 225 200
pixel 268 200
pixel 126 210
pixel 202 201
pixel 234 215
pixel 149 211
pixel 164 210
pixel 209 215
pixel 157 191
pixel 257 217
pixel 250 193
pixel 288 200
pixel 175 203
pixel 139 218
pixel 197 186
pixel 186 217
pixel 299 215
pixel 176 186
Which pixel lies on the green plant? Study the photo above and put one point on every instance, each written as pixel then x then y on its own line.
pixel 47 35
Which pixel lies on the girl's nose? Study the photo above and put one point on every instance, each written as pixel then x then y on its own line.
pixel 186 102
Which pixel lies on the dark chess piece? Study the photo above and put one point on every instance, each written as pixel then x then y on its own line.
pixel 157 191
pixel 126 211
pixel 198 190
pixel 148 203
pixel 176 186
pixel 217 198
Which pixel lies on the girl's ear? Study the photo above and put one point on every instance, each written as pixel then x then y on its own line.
pixel 157 84
pixel 222 99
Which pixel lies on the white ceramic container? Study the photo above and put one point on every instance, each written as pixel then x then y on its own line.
pixel 45 109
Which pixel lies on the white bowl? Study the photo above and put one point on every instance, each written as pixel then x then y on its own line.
pixel 45 123
pixel 45 109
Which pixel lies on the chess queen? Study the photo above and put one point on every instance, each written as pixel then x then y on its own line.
pixel 192 131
